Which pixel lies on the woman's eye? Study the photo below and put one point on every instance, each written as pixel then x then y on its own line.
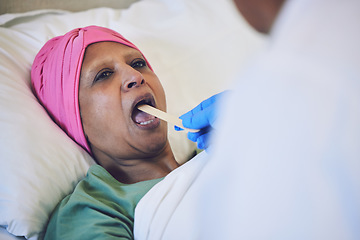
pixel 138 63
pixel 103 75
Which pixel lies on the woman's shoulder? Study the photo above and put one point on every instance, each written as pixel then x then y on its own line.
pixel 97 200
pixel 100 187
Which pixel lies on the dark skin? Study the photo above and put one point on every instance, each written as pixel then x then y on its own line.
pixel 114 78
pixel 260 14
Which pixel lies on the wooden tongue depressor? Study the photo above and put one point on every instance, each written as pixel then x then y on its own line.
pixel 164 116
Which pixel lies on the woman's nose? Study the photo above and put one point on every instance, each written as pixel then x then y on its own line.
pixel 132 79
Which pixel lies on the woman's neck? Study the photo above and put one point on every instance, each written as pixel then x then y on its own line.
pixel 136 170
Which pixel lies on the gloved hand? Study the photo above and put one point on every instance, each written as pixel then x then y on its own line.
pixel 201 117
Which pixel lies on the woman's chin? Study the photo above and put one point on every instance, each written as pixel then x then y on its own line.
pixel 155 145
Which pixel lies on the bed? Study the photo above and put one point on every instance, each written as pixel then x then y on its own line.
pixel 195 48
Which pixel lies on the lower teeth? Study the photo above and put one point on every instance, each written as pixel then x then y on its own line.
pixel 147 122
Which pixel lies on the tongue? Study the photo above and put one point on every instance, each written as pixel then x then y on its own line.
pixel 139 116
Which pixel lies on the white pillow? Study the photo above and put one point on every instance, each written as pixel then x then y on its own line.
pixel 193 46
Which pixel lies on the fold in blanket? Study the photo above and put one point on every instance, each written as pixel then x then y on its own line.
pixel 166 200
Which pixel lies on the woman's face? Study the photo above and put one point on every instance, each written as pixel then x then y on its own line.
pixel 114 80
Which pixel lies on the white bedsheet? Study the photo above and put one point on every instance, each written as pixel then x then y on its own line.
pixel 5 235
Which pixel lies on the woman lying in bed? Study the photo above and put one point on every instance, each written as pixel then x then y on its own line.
pixel 90 81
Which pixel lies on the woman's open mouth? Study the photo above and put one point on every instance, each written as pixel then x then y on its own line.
pixel 142 119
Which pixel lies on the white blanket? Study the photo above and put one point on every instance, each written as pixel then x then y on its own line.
pixel 155 211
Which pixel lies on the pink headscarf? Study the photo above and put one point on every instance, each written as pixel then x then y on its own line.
pixel 55 76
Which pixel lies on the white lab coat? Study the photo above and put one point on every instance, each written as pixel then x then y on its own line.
pixel 289 136
pixel 285 160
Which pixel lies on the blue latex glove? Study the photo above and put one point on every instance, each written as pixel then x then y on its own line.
pixel 201 117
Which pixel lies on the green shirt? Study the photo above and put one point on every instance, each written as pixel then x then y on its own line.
pixel 99 208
